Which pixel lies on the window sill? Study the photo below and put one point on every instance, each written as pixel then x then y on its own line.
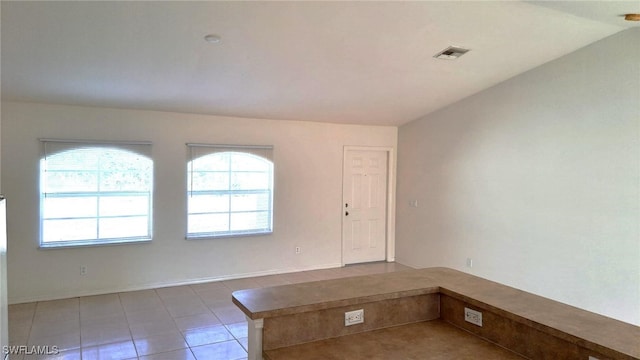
pixel 89 243
pixel 222 236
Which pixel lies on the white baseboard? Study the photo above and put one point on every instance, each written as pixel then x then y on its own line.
pixel 407 263
pixel 67 295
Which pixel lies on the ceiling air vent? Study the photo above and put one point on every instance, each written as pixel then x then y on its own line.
pixel 451 53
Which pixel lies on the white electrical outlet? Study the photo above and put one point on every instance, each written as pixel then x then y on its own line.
pixel 298 251
pixel 83 270
pixel 354 317
pixel 469 262
pixel 472 316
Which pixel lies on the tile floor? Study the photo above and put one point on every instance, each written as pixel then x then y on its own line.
pixel 197 322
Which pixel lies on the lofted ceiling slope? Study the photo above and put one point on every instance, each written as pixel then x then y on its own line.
pixel 341 62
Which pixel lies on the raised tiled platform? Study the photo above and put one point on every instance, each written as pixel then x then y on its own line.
pixel 547 328
pixel 428 340
pixel 309 326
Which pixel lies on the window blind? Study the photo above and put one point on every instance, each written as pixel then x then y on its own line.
pixel 198 150
pixel 54 146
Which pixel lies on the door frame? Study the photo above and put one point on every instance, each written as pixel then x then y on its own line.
pixel 390 235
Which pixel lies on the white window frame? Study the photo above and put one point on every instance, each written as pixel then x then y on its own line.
pixel 265 152
pixel 54 146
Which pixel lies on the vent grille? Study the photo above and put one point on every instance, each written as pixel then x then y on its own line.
pixel 451 53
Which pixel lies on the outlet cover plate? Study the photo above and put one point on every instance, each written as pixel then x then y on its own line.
pixel 354 317
pixel 473 316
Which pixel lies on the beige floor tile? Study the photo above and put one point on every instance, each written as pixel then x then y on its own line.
pixel 72 304
pixel 102 300
pixel 17 357
pixel 142 330
pixel 19 331
pixel 324 274
pixel 21 312
pixel 241 284
pixel 160 343
pixel 228 350
pixel 31 307
pixel 229 314
pixel 349 271
pixel 137 295
pixel 63 342
pixel 208 335
pixel 98 301
pixel 197 321
pixel 238 330
pixel 148 315
pixel 175 291
pixel 182 300
pixel 101 311
pixel 186 308
pixel 140 300
pixel 221 303
pixel 201 316
pixel 91 319
pixel 114 351
pixel 244 342
pixel 297 277
pixel 18 341
pixel 46 329
pixel 49 316
pixel 182 354
pixel 100 334
pixel 271 280
pixel 208 286
pixel 74 354
pixel 131 306
pixel 210 297
pixel 377 268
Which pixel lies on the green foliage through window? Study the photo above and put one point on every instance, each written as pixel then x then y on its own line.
pixel 229 193
pixel 95 195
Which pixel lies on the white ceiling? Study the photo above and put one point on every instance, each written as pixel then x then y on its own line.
pixel 341 62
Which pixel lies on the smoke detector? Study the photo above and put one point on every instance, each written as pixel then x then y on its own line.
pixel 212 38
pixel 451 53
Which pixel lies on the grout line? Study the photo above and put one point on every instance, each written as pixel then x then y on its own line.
pixel 309 275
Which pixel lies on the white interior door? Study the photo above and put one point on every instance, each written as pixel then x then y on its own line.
pixel 364 208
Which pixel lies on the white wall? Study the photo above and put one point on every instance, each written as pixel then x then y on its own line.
pixel 536 179
pixel 4 310
pixel 308 199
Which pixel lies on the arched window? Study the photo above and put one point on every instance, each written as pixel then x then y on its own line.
pixel 229 192
pixel 95 194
